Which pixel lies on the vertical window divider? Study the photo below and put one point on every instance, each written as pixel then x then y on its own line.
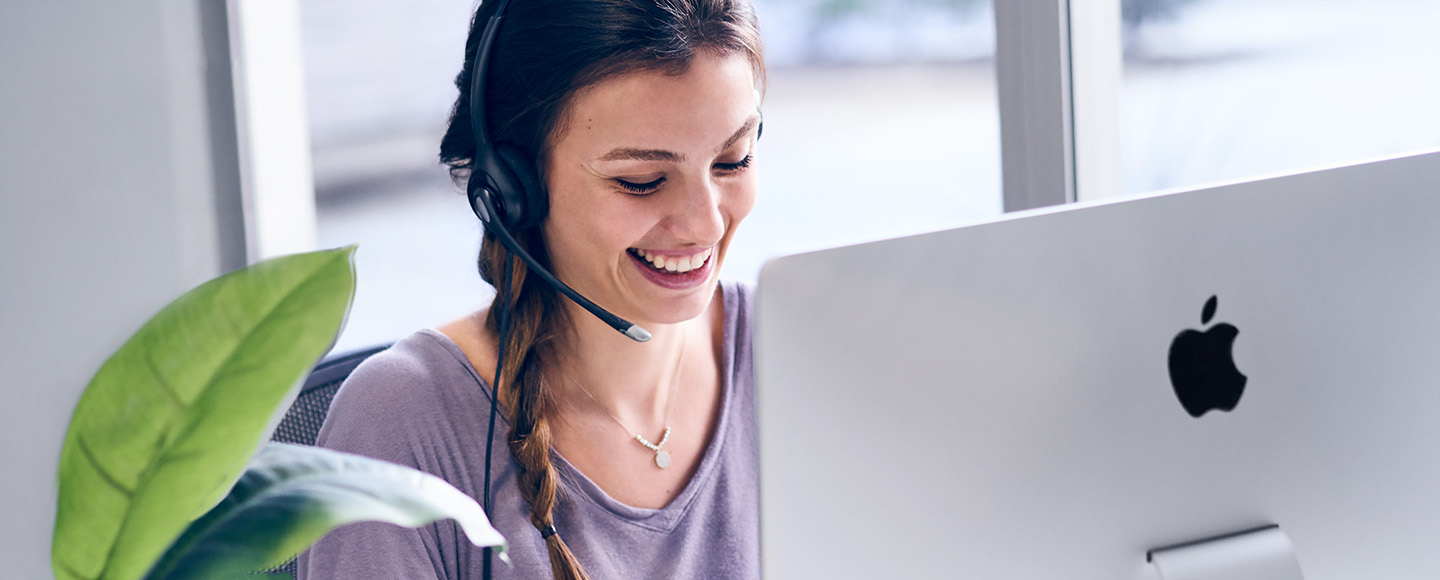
pixel 1058 78
pixel 1032 68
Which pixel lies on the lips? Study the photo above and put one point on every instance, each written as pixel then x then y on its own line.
pixel 675 271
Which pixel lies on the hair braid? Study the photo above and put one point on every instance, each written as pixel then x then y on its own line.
pixel 535 319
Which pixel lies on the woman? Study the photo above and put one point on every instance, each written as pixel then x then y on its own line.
pixel 614 458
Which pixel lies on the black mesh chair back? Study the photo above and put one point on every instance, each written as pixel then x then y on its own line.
pixel 302 422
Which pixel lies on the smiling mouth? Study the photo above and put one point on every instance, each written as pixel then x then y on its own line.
pixel 672 264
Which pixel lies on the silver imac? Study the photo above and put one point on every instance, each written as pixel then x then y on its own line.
pixel 1240 381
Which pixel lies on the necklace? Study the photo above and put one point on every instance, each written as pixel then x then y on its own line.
pixel 662 457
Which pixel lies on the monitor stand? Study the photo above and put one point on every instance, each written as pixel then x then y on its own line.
pixel 1256 554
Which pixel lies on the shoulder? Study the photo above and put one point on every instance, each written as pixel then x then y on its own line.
pixel 412 371
pixel 401 396
pixel 739 330
pixel 739 300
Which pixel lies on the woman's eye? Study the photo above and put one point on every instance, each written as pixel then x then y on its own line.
pixel 647 187
pixel 736 166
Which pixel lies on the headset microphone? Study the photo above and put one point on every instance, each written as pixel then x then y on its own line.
pixel 505 190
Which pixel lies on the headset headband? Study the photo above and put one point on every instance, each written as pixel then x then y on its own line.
pixel 478 124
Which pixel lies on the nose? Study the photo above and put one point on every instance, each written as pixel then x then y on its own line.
pixel 697 214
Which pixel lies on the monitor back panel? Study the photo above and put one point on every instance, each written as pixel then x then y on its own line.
pixel 994 401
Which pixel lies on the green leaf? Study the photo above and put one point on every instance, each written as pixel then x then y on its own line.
pixel 169 421
pixel 292 495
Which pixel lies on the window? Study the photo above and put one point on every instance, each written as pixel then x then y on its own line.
pixel 1221 90
pixel 881 120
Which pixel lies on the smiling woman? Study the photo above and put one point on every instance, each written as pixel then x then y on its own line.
pixel 638 120
pixel 654 168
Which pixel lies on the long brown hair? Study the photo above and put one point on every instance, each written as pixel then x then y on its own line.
pixel 545 52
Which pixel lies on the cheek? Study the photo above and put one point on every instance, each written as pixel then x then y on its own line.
pixel 740 200
pixel 590 222
pixel 567 234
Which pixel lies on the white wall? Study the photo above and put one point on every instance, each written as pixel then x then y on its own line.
pixel 119 189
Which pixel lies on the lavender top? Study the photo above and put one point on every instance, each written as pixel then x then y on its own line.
pixel 422 404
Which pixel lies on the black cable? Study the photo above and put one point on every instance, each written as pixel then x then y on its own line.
pixel 502 300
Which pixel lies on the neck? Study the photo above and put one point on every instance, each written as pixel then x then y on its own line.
pixel 631 380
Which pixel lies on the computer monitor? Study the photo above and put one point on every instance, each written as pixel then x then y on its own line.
pixel 996 401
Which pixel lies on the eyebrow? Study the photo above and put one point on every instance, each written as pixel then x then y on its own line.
pixel 620 153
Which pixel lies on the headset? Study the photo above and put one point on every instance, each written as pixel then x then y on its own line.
pixel 505 189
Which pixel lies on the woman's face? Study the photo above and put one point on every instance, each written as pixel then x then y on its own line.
pixel 649 179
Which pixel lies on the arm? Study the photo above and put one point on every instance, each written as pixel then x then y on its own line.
pixel 377 414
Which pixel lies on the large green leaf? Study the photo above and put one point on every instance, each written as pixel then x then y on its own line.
pixel 292 495
pixel 169 421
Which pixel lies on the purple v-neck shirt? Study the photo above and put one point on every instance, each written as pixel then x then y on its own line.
pixel 422 404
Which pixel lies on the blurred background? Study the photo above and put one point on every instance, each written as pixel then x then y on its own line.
pixel 149 145
pixel 881 120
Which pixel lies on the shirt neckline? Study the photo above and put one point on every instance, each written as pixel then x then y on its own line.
pixel 579 486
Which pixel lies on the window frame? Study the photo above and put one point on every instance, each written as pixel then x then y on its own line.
pixel 1058 68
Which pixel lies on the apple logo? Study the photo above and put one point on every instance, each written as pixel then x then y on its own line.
pixel 1202 366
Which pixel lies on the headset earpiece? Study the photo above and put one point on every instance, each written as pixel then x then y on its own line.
pixel 516 199
pixel 526 202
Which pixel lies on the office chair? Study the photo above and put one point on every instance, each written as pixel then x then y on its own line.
pixel 302 422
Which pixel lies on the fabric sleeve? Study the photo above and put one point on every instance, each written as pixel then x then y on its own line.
pixel 381 412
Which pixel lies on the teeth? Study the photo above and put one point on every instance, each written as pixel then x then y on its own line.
pixel 677 265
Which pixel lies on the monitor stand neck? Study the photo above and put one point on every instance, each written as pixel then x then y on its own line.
pixel 1255 554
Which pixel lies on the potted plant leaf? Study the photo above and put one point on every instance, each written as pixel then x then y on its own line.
pixel 153 475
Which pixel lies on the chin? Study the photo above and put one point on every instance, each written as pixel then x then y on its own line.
pixel 676 309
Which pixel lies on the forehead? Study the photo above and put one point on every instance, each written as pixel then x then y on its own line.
pixel 716 93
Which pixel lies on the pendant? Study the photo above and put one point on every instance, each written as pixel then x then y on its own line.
pixel 662 458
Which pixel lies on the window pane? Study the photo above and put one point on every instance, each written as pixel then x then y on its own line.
pixel 1220 90
pixel 379 87
pixel 880 120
